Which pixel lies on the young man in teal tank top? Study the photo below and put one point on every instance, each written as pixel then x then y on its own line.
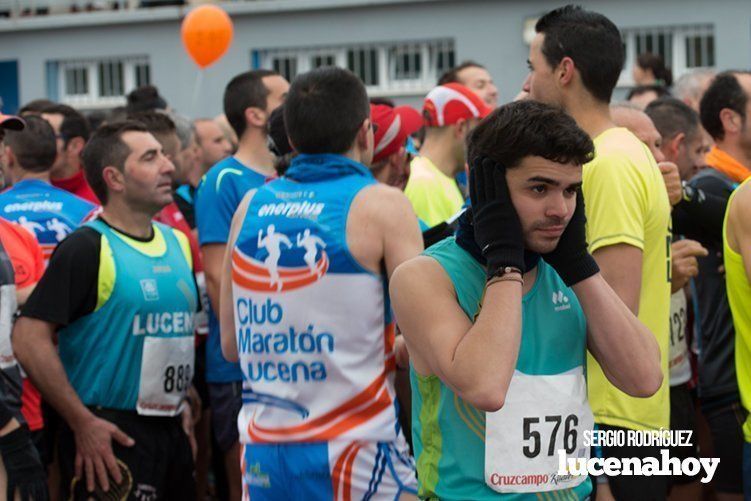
pixel 120 297
pixel 498 321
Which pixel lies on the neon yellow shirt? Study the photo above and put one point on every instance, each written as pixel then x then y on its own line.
pixel 434 195
pixel 626 202
pixel 739 297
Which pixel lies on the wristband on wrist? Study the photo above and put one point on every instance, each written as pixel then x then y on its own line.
pixel 508 277
pixel 506 274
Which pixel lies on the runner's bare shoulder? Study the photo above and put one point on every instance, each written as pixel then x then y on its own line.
pixel 377 211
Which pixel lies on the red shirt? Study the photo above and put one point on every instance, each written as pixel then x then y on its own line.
pixel 77 185
pixel 24 252
pixel 28 265
pixel 171 216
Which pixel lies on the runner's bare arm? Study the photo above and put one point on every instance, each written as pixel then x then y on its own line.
pixel 621 265
pixel 226 313
pixel 34 349
pixel 623 346
pixel 22 295
pixel 401 231
pixel 476 360
pixel 212 255
pixel 37 354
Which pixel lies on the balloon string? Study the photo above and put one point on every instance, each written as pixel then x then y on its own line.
pixel 196 92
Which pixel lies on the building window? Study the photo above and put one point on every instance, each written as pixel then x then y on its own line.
pixel 77 80
pixel 111 81
pixel 320 60
pixel 285 66
pixel 444 57
pixel 101 83
pixel 394 68
pixel 682 48
pixel 143 74
pixel 700 51
pixel 364 63
pixel 405 62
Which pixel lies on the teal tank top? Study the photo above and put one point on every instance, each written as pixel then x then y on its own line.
pixel 145 290
pixel 448 433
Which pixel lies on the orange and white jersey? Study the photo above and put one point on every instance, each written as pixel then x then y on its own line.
pixel 313 327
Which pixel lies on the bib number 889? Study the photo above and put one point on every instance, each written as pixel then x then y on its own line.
pixel 534 447
pixel 177 377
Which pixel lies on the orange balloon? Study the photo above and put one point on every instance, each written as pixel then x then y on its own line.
pixel 207 34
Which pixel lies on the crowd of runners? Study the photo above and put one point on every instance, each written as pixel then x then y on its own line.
pixel 322 295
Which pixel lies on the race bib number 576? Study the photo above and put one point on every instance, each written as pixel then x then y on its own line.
pixel 542 416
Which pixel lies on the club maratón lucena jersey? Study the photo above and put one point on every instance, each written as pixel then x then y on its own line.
pixel 313 327
pixel 464 453
pixel 135 351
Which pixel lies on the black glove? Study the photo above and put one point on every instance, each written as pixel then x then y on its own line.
pixel 22 464
pixel 498 231
pixel 570 258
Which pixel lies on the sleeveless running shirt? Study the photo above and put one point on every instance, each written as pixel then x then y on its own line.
pixel 449 434
pixel 739 296
pixel 47 212
pixel 313 327
pixel 135 350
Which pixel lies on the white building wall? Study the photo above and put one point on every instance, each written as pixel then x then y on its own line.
pixel 489 31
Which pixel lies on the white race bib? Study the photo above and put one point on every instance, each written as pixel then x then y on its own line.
pixel 541 416
pixel 166 374
pixel 7 310
pixel 680 365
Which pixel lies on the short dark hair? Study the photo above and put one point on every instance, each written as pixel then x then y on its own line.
pixel 660 90
pixel 145 98
pixel 654 62
pixel 672 116
pixel 529 128
pixel 34 147
pixel 452 75
pixel 244 91
pixel 96 118
pixel 277 133
pixel 591 40
pixel 35 106
pixel 724 92
pixel 384 101
pixel 106 147
pixel 324 110
pixel 74 123
pixel 278 142
pixel 155 122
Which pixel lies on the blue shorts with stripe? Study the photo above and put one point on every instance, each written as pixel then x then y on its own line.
pixel 327 471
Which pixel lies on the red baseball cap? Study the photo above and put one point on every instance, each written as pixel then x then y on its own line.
pixel 393 125
pixel 11 122
pixel 451 102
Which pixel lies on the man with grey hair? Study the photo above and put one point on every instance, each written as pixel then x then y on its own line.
pixel 690 87
pixel 188 155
